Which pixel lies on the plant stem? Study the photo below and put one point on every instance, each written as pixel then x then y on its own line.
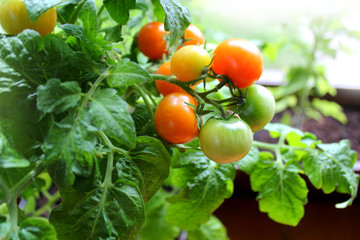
pixel 109 168
pixel 25 181
pixel 107 141
pixel 94 87
pixel 147 103
pixel 48 206
pixel 75 14
pixel 13 214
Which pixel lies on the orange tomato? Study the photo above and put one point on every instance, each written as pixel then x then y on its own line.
pixel 238 59
pixel 176 121
pixel 151 42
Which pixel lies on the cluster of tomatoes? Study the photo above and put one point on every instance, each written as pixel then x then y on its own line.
pixel 223 140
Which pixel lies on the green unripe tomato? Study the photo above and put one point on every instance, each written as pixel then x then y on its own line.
pixel 225 141
pixel 259 107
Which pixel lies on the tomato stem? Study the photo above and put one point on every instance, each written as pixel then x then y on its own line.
pixel 146 101
pixel 75 14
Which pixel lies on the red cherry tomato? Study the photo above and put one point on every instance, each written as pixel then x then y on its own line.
pixel 175 121
pixel 151 42
pixel 240 60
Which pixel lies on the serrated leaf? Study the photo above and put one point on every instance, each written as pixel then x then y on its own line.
pixel 109 113
pixel 36 229
pixel 74 30
pixel 282 192
pixel 212 229
pixel 248 163
pixel 58 97
pixel 9 157
pixel 177 19
pixel 69 149
pixel 155 226
pixel 29 59
pixel 332 169
pixel 127 73
pixel 278 129
pixel 119 9
pixel 153 160
pixel 108 212
pixel 89 19
pixel 205 185
pixel 35 7
pixel 330 109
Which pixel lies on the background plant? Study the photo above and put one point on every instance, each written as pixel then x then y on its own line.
pixel 306 81
pixel 77 113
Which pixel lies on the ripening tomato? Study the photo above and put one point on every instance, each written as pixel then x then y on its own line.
pixel 238 59
pixel 14 18
pixel 193 36
pixel 164 87
pixel 188 62
pixel 150 40
pixel 175 121
pixel 259 107
pixel 225 141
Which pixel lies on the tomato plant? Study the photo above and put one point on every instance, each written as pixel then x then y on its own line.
pixel 259 107
pixel 188 62
pixel 225 141
pixel 151 41
pixel 193 36
pixel 83 127
pixel 238 59
pixel 14 18
pixel 175 121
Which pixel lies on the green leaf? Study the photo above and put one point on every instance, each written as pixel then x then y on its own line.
pixel 212 229
pixel 69 149
pixel 153 160
pixel 330 109
pixel 35 7
pixel 248 163
pixel 205 185
pixel 9 157
pixel 332 169
pixel 109 113
pixel 32 59
pixel 177 19
pixel 89 19
pixel 74 30
pixel 58 97
pixel 282 192
pixel 127 73
pixel 119 9
pixel 155 226
pixel 158 11
pixel 108 212
pixel 278 129
pixel 37 229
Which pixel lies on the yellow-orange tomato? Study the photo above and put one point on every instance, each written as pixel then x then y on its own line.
pixel 238 59
pixel 193 36
pixel 14 18
pixel 175 121
pixel 188 62
pixel 150 40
